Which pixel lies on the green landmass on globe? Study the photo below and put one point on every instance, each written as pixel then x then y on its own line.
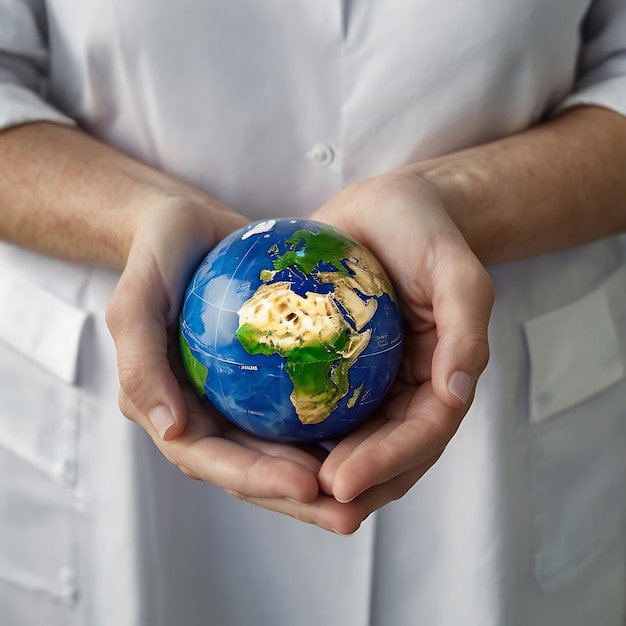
pixel 310 331
pixel 197 370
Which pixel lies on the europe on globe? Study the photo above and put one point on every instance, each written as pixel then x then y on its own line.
pixel 291 330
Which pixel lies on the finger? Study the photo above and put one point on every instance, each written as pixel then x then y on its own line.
pixel 136 319
pixel 462 295
pixel 241 470
pixel 344 449
pixel 346 518
pixel 309 457
pixel 204 420
pixel 203 453
pixel 417 358
pixel 359 440
pixel 325 512
pixel 376 498
pixel 417 429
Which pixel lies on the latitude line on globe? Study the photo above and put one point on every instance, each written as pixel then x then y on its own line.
pixel 394 347
pixel 215 306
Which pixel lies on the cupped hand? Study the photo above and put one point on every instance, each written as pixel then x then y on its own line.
pixel 446 297
pixel 169 240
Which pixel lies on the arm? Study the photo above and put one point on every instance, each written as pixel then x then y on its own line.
pixel 63 193
pixel 561 183
pixel 66 194
pixel 555 186
pixel 89 200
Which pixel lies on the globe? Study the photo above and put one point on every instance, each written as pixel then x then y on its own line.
pixel 291 330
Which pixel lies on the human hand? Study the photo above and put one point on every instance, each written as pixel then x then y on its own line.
pixel 169 239
pixel 446 298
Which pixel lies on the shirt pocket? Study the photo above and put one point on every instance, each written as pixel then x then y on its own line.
pixel 40 336
pixel 577 433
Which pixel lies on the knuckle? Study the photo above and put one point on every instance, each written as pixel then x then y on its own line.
pixel 130 376
pixel 481 352
pixel 479 349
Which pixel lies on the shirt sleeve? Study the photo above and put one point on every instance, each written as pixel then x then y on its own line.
pixel 601 78
pixel 23 65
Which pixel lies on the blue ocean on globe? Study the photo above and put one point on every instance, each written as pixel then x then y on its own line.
pixel 291 330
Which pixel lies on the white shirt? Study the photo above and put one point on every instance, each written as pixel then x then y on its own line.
pixel 273 106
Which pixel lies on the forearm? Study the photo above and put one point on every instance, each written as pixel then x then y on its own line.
pixel 558 185
pixel 68 195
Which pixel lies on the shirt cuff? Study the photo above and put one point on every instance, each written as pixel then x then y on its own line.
pixel 609 93
pixel 19 105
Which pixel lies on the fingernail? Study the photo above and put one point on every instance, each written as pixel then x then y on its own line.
pixel 460 385
pixel 341 534
pixel 162 420
pixel 348 500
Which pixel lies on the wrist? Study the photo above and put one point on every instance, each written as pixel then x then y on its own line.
pixel 465 190
pixel 163 212
pixel 557 185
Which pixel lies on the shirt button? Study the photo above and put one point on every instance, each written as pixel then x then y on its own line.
pixel 321 154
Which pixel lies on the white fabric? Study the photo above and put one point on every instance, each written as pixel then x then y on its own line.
pixel 56 352
pixel 273 106
pixel 581 333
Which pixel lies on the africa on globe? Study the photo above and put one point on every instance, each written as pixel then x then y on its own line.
pixel 291 330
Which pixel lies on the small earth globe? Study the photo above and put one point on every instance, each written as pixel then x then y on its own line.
pixel 291 330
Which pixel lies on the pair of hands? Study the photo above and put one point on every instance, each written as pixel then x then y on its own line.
pixel 446 298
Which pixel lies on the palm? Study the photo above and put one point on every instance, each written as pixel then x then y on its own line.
pixel 406 435
pixel 268 469
pixel 446 298
pixel 142 316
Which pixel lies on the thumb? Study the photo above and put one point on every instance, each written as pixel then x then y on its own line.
pixel 462 301
pixel 136 317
